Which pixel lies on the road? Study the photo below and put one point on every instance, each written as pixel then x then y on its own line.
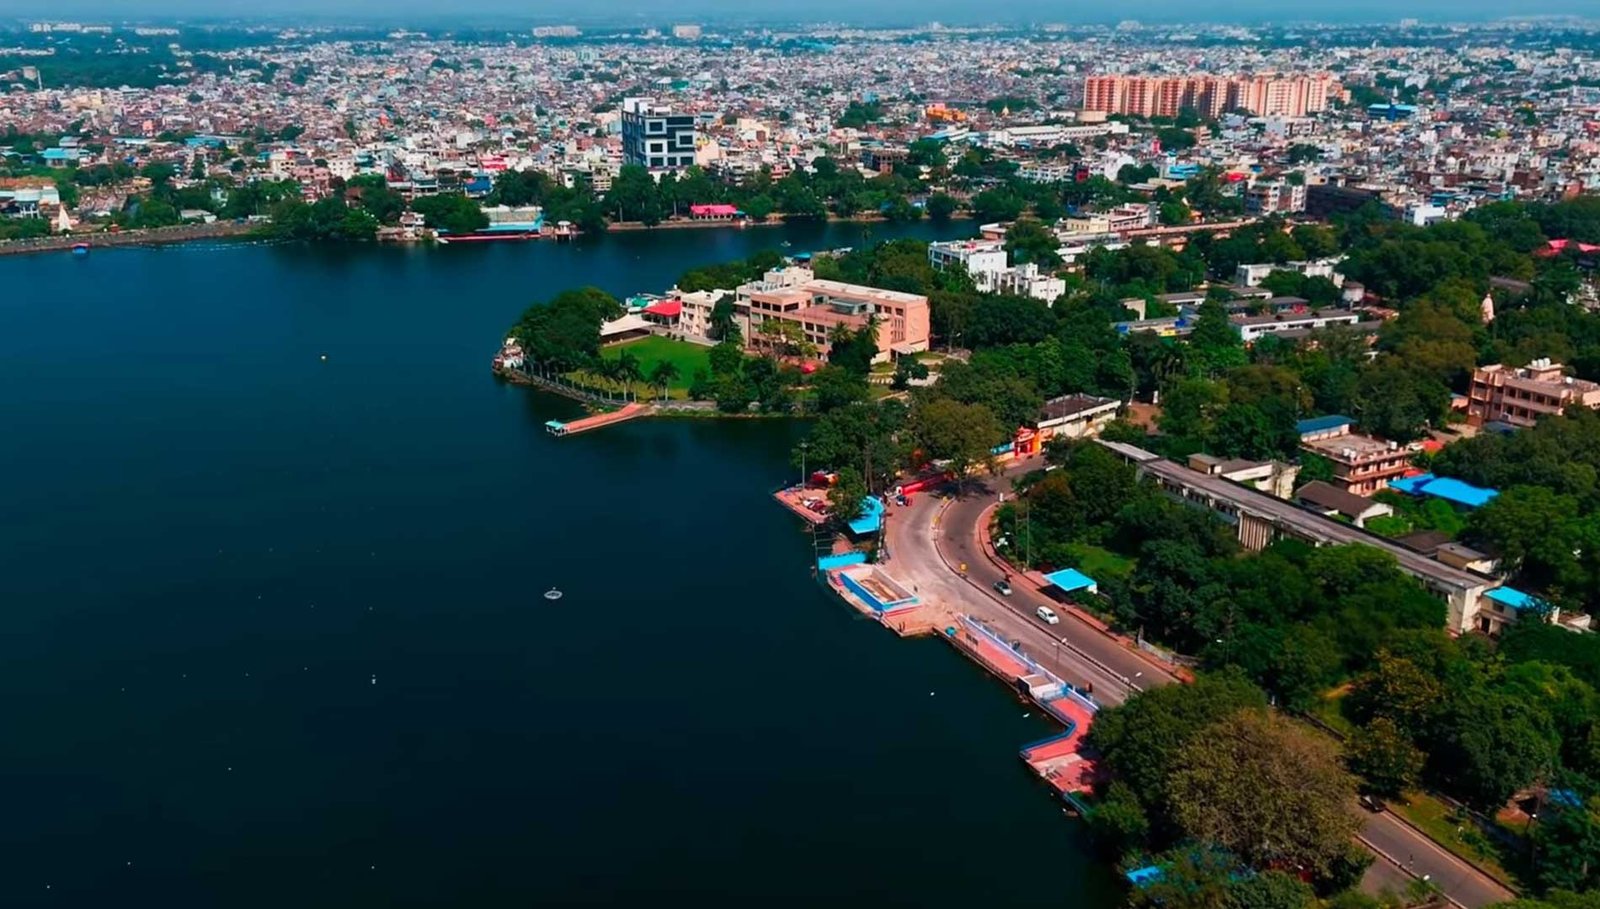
pixel 1404 845
pixel 929 540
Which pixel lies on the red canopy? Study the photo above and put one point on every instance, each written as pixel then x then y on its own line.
pixel 667 308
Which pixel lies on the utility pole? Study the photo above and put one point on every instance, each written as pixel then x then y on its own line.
pixel 804 446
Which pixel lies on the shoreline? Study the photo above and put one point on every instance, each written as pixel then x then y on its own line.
pixel 775 220
pixel 219 230
pixel 155 236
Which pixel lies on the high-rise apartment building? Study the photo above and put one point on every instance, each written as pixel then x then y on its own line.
pixel 1209 96
pixel 656 137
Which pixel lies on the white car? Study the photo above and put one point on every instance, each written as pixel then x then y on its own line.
pixel 1047 615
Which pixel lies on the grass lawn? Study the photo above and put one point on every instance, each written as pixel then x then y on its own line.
pixel 689 358
pixel 1100 563
pixel 1434 817
pixel 1330 709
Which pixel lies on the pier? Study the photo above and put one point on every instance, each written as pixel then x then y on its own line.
pixel 584 424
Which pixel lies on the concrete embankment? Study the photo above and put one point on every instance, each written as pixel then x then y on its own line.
pixel 156 236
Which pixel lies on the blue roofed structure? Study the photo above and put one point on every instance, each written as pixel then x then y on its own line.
pixel 1450 489
pixel 1512 598
pixel 1322 424
pixel 1071 580
pixel 870 519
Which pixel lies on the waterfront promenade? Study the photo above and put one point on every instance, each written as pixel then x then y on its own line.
pixel 933 538
pixel 156 236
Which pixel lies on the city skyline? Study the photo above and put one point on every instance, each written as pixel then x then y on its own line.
pixel 714 12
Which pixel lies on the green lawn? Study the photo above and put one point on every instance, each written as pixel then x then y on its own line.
pixel 652 350
pixel 1100 563
pixel 1434 817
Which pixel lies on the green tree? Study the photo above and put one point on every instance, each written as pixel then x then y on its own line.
pixel 962 433
pixel 1266 789
pixel 941 206
pixel 451 212
pixel 1383 755
pixel 1490 745
pixel 848 495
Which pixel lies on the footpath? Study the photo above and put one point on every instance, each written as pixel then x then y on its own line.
pixel 155 236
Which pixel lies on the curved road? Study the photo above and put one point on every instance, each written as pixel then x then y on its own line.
pixel 929 540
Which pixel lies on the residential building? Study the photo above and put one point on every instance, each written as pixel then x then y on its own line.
pixel 1026 280
pixel 1275 196
pixel 1252 274
pixel 655 136
pixel 1362 465
pixel 1520 396
pixel 1275 478
pixel 1209 96
pixel 796 296
pixel 985 261
pixel 1252 327
pixel 1330 501
pixel 978 257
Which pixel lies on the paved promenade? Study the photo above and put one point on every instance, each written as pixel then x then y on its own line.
pixel 931 539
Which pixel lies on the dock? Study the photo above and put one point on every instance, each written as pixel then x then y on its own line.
pixel 584 424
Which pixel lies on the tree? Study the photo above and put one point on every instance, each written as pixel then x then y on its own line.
pixel 941 206
pixel 1028 241
pixel 1383 755
pixel 1214 344
pixel 1400 691
pixel 1140 740
pixel 451 212
pixel 965 434
pixel 1489 745
pixel 664 374
pixel 723 319
pixel 1567 845
pixel 1119 824
pixel 848 495
pixel 1536 532
pixel 1266 789
pixel 1269 890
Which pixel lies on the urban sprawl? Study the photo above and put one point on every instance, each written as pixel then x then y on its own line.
pixel 1268 365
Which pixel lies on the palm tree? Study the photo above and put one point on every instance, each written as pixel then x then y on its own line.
pixel 663 374
pixel 628 371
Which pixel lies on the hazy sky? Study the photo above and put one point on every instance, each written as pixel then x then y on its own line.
pixel 873 11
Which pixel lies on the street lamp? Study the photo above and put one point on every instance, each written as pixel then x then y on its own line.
pixel 1128 680
pixel 803 446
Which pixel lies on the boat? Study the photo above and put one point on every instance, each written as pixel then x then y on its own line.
pixel 80 249
pixel 552 594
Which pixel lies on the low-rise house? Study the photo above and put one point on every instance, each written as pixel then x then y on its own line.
pixel 1331 501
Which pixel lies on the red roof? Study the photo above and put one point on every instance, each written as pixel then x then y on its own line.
pixel 719 210
pixel 668 308
pixel 1558 246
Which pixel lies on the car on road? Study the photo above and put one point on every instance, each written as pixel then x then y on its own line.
pixel 1047 615
pixel 1002 587
pixel 1372 803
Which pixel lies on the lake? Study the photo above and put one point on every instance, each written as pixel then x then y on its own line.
pixel 274 631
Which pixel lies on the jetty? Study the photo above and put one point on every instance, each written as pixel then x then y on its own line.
pixel 584 424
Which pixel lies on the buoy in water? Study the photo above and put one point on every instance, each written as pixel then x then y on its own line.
pixel 552 594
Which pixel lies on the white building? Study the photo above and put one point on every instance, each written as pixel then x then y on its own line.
pixel 986 262
pixel 1253 274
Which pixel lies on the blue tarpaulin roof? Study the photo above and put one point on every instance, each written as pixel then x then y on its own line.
pixel 1322 424
pixel 1070 579
pixel 1447 488
pixel 1512 597
pixel 871 517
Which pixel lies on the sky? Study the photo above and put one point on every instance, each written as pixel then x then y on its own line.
pixel 873 12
